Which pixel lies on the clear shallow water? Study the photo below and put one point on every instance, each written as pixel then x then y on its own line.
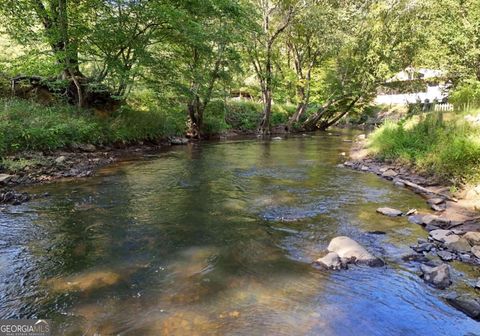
pixel 218 239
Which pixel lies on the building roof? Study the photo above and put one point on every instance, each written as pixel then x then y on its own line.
pixel 412 74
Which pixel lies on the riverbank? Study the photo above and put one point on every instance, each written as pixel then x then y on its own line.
pixel 34 167
pixel 452 211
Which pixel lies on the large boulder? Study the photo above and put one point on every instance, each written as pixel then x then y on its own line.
pixel 330 261
pixel 389 212
pixel 437 276
pixel 350 251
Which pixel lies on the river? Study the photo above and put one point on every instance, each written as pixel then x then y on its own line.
pixel 219 239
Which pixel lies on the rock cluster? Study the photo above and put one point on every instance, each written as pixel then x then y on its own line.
pixel 451 245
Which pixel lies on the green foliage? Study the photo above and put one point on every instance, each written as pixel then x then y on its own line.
pixel 466 94
pixel 25 125
pixel 449 150
pixel 214 118
pixel 244 115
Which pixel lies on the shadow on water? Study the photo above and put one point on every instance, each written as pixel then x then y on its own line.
pixel 218 239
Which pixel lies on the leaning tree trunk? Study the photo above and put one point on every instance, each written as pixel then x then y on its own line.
pixel 301 107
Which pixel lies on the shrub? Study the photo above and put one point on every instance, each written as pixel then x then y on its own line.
pixel 244 115
pixel 214 118
pixel 450 150
pixel 466 94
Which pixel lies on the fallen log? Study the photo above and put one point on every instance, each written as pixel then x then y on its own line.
pixel 426 191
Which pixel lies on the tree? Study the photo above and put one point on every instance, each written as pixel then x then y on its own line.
pixel 275 16
pixel 382 38
pixel 314 36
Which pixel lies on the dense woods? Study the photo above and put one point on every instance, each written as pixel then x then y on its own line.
pixel 187 61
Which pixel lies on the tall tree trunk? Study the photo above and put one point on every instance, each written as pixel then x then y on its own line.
pixel 195 112
pixel 264 128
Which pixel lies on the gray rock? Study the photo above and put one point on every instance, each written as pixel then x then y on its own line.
pixel 399 184
pixel 439 207
pixel 477 285
pixel 87 147
pixel 435 201
pixel 446 256
pixel 427 219
pixel 440 235
pixel 178 141
pixel 351 251
pixel 416 219
pixel 467 305
pixel 437 276
pixel 389 212
pixel 364 168
pixel 472 237
pixel 277 138
pixel 424 247
pixel 457 244
pixel 60 159
pixel 330 261
pixel 476 251
pixel 4 178
pixel 389 173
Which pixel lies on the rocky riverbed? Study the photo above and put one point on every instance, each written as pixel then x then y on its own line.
pixel 453 225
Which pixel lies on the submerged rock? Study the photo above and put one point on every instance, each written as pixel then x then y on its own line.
pixel 330 261
pixel 467 305
pixel 350 251
pixel 437 276
pixel 416 219
pixel 389 212
pixel 423 247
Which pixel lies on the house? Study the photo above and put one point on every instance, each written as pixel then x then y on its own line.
pixel 412 86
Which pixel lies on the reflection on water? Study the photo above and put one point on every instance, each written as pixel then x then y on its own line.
pixel 218 239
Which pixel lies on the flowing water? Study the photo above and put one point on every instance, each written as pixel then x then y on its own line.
pixel 219 239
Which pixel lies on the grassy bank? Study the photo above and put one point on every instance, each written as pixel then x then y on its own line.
pixel 444 145
pixel 26 125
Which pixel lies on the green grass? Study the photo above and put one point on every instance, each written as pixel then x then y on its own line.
pixel 26 125
pixel 445 146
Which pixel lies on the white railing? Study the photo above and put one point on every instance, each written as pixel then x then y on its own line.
pixel 444 107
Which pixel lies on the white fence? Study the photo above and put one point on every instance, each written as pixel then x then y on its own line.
pixel 443 107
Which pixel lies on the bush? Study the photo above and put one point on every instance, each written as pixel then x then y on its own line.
pixel 466 94
pixel 447 150
pixel 214 118
pixel 26 125
pixel 246 115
